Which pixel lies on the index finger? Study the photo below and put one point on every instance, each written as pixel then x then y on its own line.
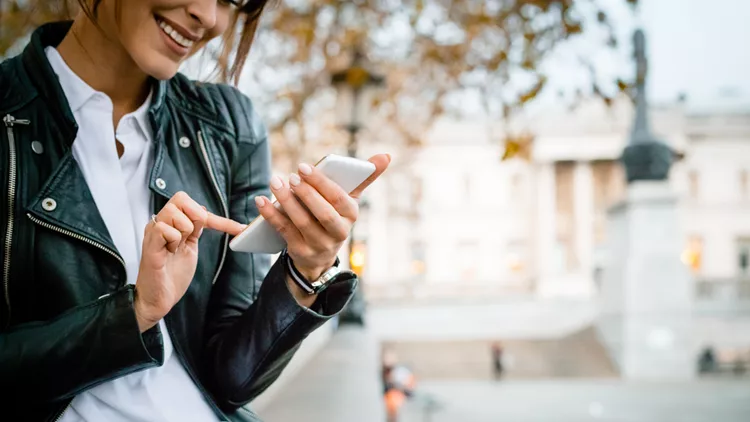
pixel 225 225
pixel 381 162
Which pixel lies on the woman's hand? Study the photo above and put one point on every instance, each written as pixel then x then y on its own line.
pixel 170 255
pixel 317 217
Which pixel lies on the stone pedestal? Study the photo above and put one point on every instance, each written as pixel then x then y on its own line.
pixel 646 298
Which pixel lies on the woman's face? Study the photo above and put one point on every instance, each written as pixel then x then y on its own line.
pixel 159 34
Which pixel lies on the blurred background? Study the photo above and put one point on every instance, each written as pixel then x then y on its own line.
pixel 514 266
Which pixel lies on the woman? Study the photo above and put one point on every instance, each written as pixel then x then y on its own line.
pixel 122 181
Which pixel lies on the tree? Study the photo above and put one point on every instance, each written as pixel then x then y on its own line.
pixel 435 54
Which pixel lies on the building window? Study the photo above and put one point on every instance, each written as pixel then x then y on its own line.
pixel 418 259
pixel 743 257
pixel 743 184
pixel 467 187
pixel 693 183
pixel 515 257
pixel 468 252
pixel 693 253
pixel 417 190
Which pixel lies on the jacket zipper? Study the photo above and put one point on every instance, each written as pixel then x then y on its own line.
pixel 60 415
pixel 78 237
pixel 10 121
pixel 82 239
pixel 224 206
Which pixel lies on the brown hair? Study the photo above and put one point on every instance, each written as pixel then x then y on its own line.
pixel 247 17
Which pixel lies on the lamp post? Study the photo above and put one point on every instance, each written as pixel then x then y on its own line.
pixel 355 88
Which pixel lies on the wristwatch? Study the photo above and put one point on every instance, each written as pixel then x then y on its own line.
pixel 311 287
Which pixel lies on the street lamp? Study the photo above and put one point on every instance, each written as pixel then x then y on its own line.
pixel 355 86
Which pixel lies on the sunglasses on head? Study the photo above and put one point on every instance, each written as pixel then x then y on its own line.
pixel 246 6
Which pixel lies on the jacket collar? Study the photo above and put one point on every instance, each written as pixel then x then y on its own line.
pixel 48 86
pixel 67 185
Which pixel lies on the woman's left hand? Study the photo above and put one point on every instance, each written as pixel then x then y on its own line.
pixel 318 215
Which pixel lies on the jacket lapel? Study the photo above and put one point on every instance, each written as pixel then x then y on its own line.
pixel 65 202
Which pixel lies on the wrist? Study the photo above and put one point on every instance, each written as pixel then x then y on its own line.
pixel 302 297
pixel 143 316
pixel 311 280
pixel 313 273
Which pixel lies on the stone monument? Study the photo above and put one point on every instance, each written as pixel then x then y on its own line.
pixel 646 297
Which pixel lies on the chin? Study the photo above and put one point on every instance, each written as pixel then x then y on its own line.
pixel 162 70
pixel 156 65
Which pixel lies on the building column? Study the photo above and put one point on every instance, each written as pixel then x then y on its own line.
pixel 583 218
pixel 546 225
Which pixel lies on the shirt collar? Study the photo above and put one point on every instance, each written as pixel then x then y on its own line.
pixel 141 116
pixel 78 92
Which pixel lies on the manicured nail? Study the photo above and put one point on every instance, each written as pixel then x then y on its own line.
pixel 305 169
pixel 276 183
pixel 259 201
pixel 294 179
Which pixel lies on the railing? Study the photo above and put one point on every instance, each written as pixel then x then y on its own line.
pixel 725 296
pixel 436 291
pixel 722 289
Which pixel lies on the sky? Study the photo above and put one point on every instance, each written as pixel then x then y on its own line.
pixel 698 47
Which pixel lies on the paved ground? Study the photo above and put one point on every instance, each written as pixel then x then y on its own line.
pixel 579 355
pixel 583 401
pixel 340 384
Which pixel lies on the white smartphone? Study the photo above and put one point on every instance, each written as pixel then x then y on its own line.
pixel 261 237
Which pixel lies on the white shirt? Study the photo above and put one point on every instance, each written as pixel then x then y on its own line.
pixel 120 189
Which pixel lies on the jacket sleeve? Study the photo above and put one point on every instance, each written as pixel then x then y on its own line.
pixel 87 345
pixel 253 329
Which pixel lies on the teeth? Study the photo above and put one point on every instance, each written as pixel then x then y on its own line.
pixel 179 39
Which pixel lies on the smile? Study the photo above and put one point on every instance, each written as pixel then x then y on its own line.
pixel 174 34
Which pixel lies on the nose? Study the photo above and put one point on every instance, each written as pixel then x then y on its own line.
pixel 203 11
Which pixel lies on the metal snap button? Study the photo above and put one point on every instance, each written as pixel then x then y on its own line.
pixel 37 147
pixel 184 142
pixel 49 204
pixel 160 183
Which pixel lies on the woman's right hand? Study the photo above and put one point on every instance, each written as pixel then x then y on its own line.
pixel 169 256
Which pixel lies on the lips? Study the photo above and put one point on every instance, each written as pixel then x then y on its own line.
pixel 174 34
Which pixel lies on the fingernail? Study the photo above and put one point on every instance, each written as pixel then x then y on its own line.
pixel 259 201
pixel 305 169
pixel 294 179
pixel 389 157
pixel 276 182
pixel 200 232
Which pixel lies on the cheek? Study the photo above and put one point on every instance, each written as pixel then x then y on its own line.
pixel 223 19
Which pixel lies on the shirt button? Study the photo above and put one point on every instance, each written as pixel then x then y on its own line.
pixel 37 147
pixel 160 183
pixel 184 142
pixel 49 204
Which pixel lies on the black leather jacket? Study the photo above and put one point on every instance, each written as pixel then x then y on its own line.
pixel 66 314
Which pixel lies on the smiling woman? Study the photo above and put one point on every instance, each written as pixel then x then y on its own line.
pixel 119 297
pixel 235 20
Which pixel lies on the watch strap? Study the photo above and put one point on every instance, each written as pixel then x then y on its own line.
pixel 311 287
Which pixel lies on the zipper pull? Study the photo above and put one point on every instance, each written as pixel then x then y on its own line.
pixel 10 121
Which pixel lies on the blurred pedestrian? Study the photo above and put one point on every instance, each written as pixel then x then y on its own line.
pixel 497 359
pixel 707 361
pixel 399 383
